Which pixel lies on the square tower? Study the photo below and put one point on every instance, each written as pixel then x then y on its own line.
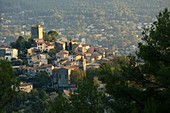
pixel 37 32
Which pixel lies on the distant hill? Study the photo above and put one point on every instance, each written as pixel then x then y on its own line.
pixel 116 20
pixel 140 6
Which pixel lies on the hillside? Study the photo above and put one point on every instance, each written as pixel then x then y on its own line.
pixel 115 23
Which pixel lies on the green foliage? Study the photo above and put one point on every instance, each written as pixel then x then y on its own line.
pixel 60 105
pixel 150 106
pixel 41 80
pixel 8 83
pixel 142 84
pixel 34 102
pixel 53 52
pixel 85 100
pixel 156 54
pixel 76 76
pixel 50 36
pixel 92 72
pixel 107 69
pixel 22 44
pixel 53 33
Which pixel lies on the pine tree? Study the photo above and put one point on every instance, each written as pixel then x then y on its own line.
pixel 8 83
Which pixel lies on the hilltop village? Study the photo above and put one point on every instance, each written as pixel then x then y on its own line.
pixel 57 59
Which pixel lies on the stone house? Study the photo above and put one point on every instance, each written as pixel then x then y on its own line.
pixel 26 87
pixel 62 54
pixel 11 53
pixel 38 59
pixel 62 76
pixel 45 68
pixel 43 45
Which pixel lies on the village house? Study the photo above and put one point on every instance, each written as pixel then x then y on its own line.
pixel 26 87
pixel 93 65
pixel 32 71
pixel 9 53
pixel 74 57
pixel 82 64
pixel 62 76
pixel 83 48
pixel 43 45
pixel 71 58
pixel 2 52
pixel 70 63
pixel 45 68
pixel 48 46
pixel 39 43
pixel 62 54
pixel 37 60
pixel 32 51
pixel 97 56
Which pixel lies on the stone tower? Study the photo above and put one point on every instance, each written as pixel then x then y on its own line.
pixel 82 64
pixel 37 32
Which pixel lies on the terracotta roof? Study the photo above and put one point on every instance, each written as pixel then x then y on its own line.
pixel 91 49
pixel 56 68
pixel 44 66
pixel 94 64
pixel 63 51
pixel 25 84
pixel 85 45
pixel 3 46
pixel 37 39
pixel 37 55
pixel 67 93
pixel 48 44
pixel 66 67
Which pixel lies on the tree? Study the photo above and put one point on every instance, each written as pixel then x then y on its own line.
pixel 22 44
pixel 87 99
pixel 30 43
pixel 53 52
pixel 53 33
pixel 156 54
pixel 60 105
pixel 50 36
pixel 8 83
pixel 41 80
pixel 76 76
pixel 143 84
pixel 33 102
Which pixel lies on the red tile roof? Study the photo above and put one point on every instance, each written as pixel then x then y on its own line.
pixel 91 49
